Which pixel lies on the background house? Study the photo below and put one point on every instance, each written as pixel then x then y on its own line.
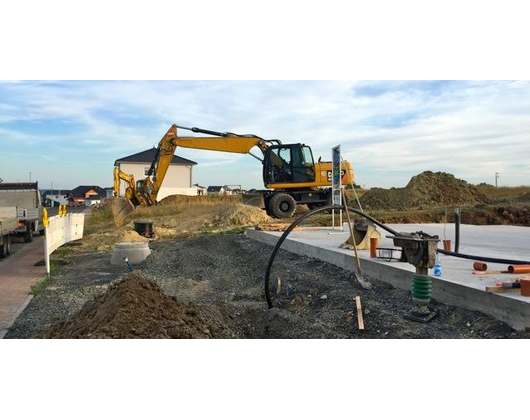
pixel 109 192
pixel 178 178
pixel 200 189
pixel 86 195
pixel 219 190
pixel 54 198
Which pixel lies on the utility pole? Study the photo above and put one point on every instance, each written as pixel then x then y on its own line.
pixel 496 179
pixel 30 176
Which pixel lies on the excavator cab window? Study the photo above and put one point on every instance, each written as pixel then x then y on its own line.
pixel 289 163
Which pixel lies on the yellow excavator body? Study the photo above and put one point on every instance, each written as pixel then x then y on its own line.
pixel 289 171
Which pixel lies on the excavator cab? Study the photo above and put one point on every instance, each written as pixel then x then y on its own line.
pixel 288 164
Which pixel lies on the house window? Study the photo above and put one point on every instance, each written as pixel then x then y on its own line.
pixel 146 171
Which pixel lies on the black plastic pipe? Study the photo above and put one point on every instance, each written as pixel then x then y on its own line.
pixel 300 220
pixel 457 254
pixel 484 259
pixel 457 230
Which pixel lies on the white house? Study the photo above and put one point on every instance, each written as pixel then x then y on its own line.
pixel 200 189
pixel 219 190
pixel 178 178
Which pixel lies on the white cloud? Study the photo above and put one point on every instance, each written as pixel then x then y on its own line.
pixel 389 130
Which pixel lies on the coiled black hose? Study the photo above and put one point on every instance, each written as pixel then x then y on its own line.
pixel 300 220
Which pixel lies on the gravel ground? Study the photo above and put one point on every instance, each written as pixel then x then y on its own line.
pixel 226 272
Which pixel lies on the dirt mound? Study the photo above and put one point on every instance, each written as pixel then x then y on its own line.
pixel 428 189
pixel 137 308
pixel 241 215
pixel 130 236
pixel 162 232
pixel 178 199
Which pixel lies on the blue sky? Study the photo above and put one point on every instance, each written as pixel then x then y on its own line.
pixel 70 133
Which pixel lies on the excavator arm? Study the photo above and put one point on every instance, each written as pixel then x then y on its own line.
pixel 119 176
pixel 147 190
pixel 220 142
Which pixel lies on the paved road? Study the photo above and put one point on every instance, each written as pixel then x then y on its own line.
pixel 17 274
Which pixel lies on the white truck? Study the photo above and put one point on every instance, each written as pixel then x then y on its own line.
pixel 8 226
pixel 25 196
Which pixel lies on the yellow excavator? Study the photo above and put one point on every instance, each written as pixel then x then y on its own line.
pixel 290 174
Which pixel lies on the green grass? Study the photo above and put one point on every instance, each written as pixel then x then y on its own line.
pixel 99 216
pixel 498 194
pixel 99 219
pixel 40 286
pixel 45 281
pixel 64 252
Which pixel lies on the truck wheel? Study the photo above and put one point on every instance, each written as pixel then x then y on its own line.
pixel 281 206
pixel 28 236
pixel 3 247
pixel 8 244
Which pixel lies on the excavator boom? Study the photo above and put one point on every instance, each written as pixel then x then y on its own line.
pixel 289 172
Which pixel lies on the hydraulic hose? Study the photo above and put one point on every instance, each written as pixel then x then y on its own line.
pixel 300 220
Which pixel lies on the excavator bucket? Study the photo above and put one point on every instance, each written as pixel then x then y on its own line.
pixel 120 208
pixel 362 233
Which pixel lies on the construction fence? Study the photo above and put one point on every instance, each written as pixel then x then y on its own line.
pixel 60 230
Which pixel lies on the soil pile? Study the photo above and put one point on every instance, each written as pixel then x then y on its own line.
pixel 183 200
pixel 524 198
pixel 428 189
pixel 136 308
pixel 130 236
pixel 241 215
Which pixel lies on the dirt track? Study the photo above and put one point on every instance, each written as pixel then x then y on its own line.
pixel 225 273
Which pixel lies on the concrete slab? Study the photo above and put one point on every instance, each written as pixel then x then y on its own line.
pixel 456 286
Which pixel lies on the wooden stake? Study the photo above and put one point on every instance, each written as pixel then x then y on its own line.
pixel 359 312
pixel 357 259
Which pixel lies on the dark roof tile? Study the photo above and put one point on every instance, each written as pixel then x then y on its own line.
pixel 147 157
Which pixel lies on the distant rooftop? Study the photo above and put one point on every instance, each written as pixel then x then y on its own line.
pixel 148 155
pixel 19 186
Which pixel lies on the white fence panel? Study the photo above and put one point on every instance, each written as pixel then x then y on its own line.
pixel 61 230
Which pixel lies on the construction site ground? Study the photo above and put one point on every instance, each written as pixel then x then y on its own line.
pixel 457 285
pixel 222 274
pixel 200 256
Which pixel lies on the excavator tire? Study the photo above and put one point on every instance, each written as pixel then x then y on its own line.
pixel 281 206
